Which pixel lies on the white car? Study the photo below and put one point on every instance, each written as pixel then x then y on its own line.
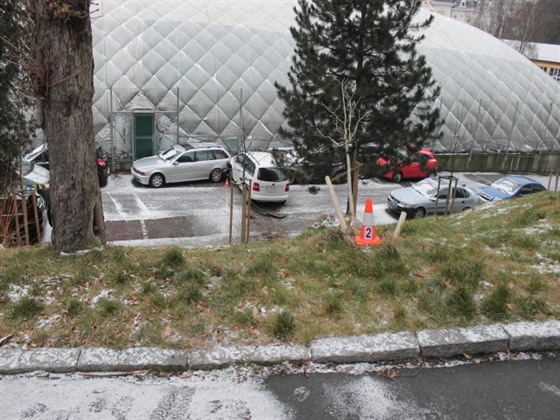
pixel 191 162
pixel 269 183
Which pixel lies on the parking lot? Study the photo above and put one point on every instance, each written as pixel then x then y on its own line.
pixel 198 213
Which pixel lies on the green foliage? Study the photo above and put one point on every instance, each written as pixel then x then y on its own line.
pixel 333 303
pixel 190 275
pixel 463 272
pixel 14 129
pixel 340 54
pixel 284 324
pixel 75 307
pixel 461 302
pixel 495 305
pixel 388 287
pixel 173 257
pixel 189 293
pixel 109 306
pixel 26 308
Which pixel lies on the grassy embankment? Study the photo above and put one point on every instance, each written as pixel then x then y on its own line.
pixel 497 263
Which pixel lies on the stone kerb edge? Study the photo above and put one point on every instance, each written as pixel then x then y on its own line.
pixel 132 358
pixel 457 341
pixel 520 336
pixel 220 357
pixel 532 336
pixel 365 348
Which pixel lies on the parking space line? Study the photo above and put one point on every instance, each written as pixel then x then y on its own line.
pixel 144 230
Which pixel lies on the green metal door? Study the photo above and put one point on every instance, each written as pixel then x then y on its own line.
pixel 143 135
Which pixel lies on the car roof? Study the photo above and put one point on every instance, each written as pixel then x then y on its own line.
pixel 200 145
pixel 522 180
pixel 264 159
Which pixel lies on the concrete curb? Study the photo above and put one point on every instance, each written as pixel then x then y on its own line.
pixel 520 336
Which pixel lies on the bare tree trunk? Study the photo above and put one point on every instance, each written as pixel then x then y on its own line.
pixel 63 72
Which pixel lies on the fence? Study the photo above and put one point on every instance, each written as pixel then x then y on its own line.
pixel 542 163
pixel 21 220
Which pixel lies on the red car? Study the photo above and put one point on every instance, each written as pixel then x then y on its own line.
pixel 420 164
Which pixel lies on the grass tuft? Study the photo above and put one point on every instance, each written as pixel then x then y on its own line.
pixel 284 325
pixel 495 306
pixel 26 308
pixel 173 257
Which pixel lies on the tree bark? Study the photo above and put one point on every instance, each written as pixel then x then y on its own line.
pixel 63 73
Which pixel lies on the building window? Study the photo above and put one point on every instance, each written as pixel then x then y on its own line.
pixel 555 73
pixel 543 68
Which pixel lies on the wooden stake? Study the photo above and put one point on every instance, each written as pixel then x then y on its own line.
pixel 400 224
pixel 336 204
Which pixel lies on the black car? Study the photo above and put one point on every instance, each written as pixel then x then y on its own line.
pixel 23 218
pixel 40 156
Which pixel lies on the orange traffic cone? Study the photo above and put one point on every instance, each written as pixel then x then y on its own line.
pixel 368 235
pixel 227 183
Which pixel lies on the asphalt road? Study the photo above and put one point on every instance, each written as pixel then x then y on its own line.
pixel 521 389
pixel 494 390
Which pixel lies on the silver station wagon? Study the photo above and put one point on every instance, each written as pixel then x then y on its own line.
pixel 191 162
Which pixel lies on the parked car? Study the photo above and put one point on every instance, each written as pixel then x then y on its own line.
pixel 269 182
pixel 509 187
pixel 35 177
pixel 40 156
pixel 190 162
pixel 420 199
pixel 12 228
pixel 417 165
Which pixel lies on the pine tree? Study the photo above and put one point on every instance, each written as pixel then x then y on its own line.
pixel 14 104
pixel 369 45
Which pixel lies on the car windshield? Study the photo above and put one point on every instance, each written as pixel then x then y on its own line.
pixel 272 175
pixel 169 153
pixel 424 188
pixel 506 185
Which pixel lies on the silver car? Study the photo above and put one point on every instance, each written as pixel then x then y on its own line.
pixel 191 162
pixel 421 198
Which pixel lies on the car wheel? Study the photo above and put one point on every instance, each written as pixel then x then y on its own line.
pixel 397 176
pixel 157 180
pixel 216 175
pixel 466 208
pixel 419 212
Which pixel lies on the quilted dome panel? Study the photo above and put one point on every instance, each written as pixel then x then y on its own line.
pixel 220 56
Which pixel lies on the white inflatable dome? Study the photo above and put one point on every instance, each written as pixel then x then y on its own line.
pixel 215 62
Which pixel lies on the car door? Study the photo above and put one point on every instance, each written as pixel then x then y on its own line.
pixel 415 168
pixel 182 169
pixel 411 168
pixel 203 162
pixel 237 167
pixel 461 201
